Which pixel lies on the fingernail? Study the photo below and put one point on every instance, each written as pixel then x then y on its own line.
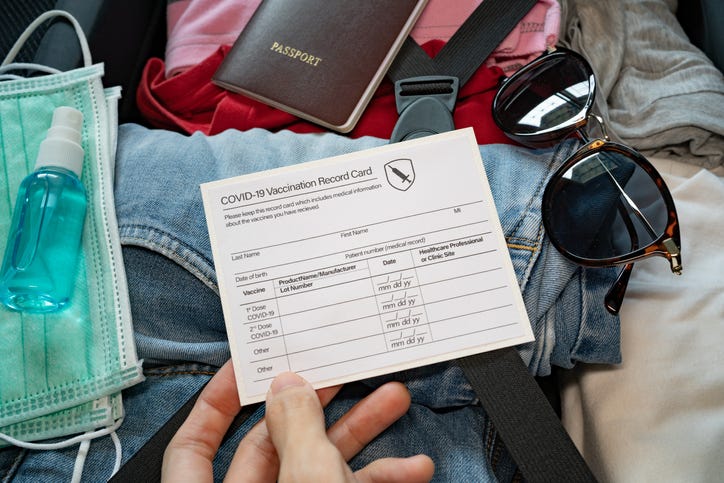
pixel 284 380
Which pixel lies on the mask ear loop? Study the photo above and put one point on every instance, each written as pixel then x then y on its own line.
pixel 85 49
pixel 84 440
pixel 25 66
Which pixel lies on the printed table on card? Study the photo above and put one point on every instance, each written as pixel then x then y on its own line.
pixel 362 264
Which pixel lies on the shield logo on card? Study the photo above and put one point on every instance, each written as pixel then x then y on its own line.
pixel 400 173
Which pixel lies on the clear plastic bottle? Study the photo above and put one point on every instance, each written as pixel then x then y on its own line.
pixel 41 256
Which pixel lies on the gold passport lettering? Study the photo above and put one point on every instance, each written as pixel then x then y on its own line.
pixel 296 54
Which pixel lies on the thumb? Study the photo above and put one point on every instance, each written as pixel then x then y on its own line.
pixel 294 416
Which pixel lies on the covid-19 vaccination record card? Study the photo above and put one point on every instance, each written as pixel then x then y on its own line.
pixel 362 264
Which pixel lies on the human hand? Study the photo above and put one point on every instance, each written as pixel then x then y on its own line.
pixel 291 443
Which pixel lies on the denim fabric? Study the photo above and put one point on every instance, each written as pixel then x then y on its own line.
pixel 179 325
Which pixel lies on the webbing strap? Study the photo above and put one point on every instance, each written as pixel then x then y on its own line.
pixel 146 463
pixel 520 412
pixel 423 84
pixel 468 48
pixel 524 418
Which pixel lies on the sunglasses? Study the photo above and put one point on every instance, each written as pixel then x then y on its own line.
pixel 606 205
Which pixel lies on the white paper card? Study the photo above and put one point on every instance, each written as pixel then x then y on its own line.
pixel 362 264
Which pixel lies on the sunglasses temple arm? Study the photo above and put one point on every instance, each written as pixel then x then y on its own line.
pixel 614 296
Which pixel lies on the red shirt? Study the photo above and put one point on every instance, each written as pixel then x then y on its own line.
pixel 190 102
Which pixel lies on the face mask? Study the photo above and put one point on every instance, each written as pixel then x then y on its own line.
pixel 64 371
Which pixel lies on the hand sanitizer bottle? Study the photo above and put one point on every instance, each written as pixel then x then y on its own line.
pixel 41 256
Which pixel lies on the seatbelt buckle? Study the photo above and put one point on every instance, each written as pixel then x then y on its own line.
pixel 425 105
pixel 441 87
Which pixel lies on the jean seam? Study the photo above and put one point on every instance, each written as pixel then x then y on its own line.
pixel 153 241
pixel 497 450
pixel 523 243
pixel 533 258
pixel 539 187
pixel 181 370
pixel 183 373
pixel 133 227
pixel 7 477
pixel 490 435
pixel 517 476
pixel 553 161
pixel 492 448
pixel 583 300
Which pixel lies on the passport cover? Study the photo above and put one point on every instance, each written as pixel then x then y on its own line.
pixel 317 59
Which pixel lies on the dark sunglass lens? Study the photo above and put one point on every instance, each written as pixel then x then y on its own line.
pixel 553 95
pixel 605 206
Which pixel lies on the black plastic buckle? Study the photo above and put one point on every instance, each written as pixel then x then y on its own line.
pixel 425 105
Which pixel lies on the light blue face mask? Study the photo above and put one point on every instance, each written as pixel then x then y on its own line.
pixel 63 372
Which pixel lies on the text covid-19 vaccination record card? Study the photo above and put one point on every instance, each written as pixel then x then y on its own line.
pixel 362 264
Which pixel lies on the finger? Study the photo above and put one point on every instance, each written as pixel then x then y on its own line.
pixel 256 459
pixel 295 421
pixel 419 468
pixel 293 413
pixel 368 418
pixel 257 456
pixel 190 453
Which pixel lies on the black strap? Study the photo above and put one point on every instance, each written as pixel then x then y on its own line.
pixel 524 418
pixel 518 408
pixel 520 412
pixel 146 463
pixel 468 48
pixel 426 88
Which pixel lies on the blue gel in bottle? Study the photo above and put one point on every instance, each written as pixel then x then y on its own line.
pixel 41 256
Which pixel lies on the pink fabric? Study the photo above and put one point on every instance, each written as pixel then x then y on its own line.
pixel 196 28
pixel 441 18
pixel 537 31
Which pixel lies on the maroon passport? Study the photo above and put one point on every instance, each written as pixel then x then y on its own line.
pixel 320 60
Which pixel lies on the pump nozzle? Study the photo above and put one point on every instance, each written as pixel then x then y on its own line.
pixel 61 146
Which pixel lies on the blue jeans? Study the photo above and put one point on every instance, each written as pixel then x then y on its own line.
pixel 180 331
